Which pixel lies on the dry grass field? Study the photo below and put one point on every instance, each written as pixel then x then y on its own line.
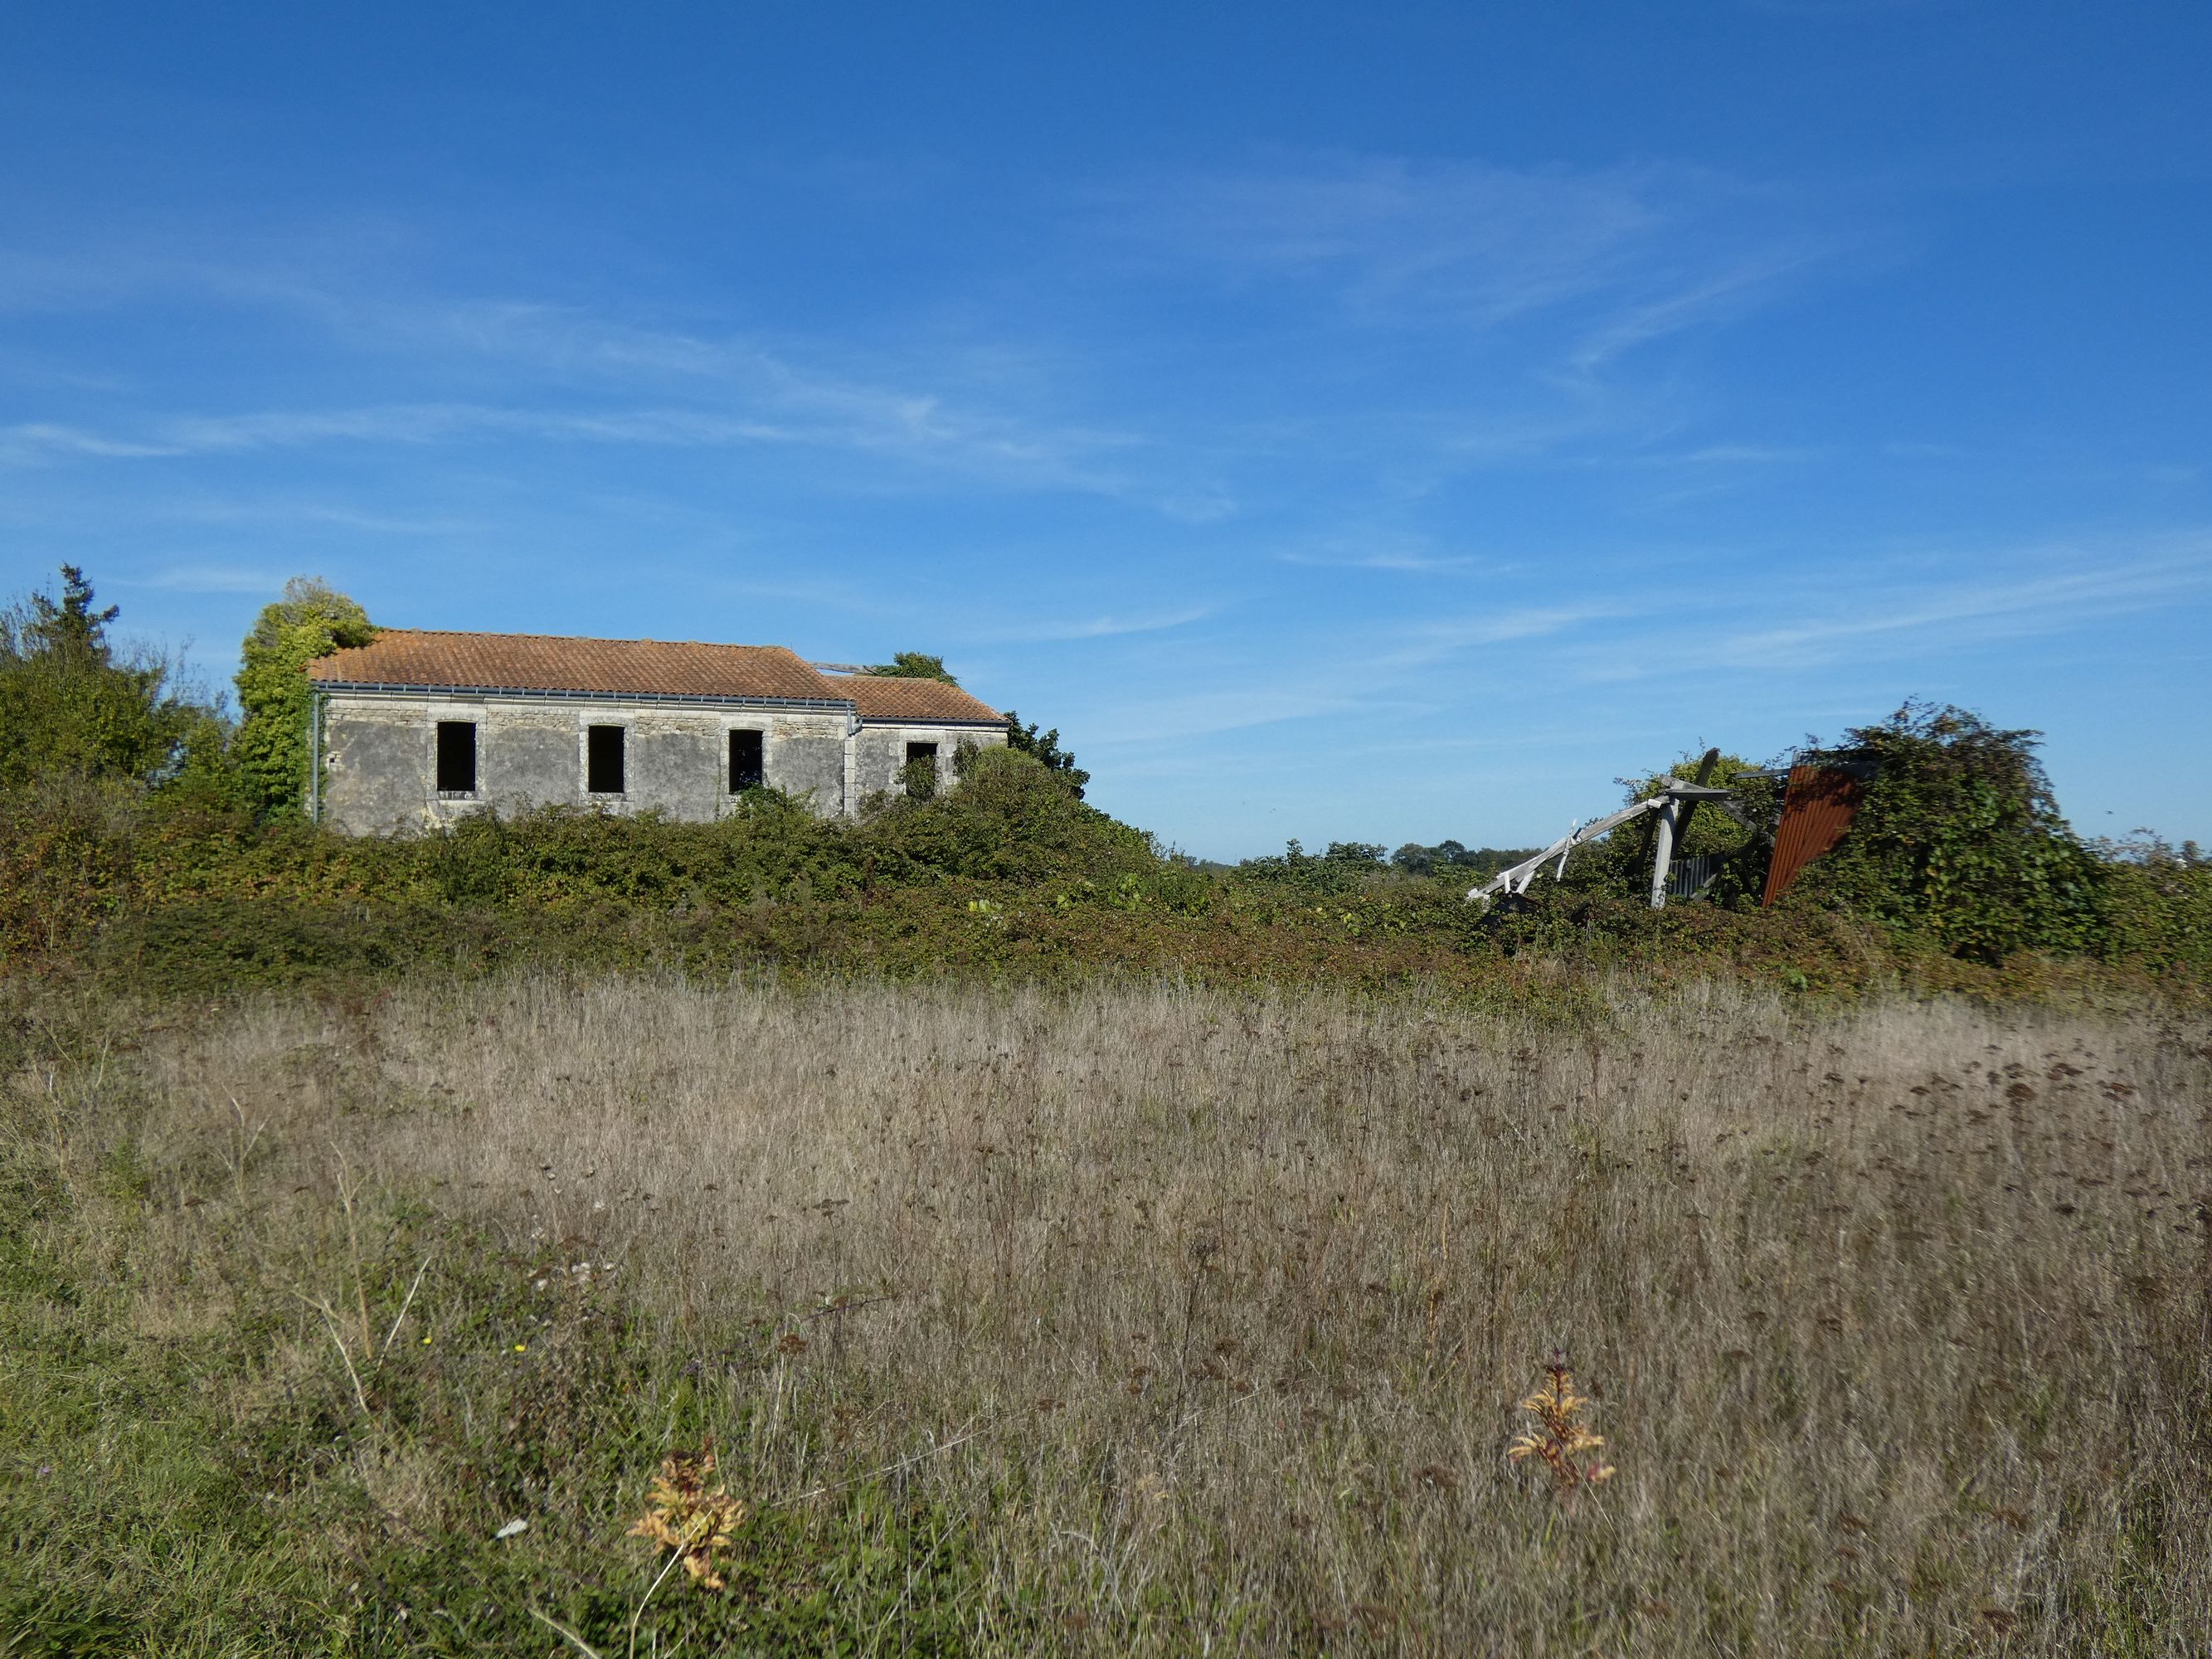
pixel 1135 1319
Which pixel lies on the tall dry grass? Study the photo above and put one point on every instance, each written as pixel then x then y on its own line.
pixel 1210 1314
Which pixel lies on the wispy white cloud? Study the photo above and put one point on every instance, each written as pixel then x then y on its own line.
pixel 35 442
pixel 440 423
pixel 1464 315
pixel 1871 611
pixel 1432 642
pixel 568 371
pixel 44 372
pixel 1708 298
pixel 920 432
pixel 1897 620
pixel 210 579
pixel 674 385
pixel 1382 559
pixel 1095 628
pixel 337 516
pixel 1379 676
pixel 1385 551
pixel 1221 707
pixel 1487 242
pixel 1737 454
pixel 1580 266
pixel 1623 255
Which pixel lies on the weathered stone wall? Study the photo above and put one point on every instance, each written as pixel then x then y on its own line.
pixel 879 753
pixel 381 757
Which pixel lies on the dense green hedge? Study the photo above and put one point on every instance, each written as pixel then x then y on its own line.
pixel 1008 876
pixel 138 859
pixel 140 833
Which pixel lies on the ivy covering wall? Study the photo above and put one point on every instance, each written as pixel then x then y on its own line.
pixel 271 750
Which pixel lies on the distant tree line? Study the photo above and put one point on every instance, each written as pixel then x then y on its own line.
pixel 1347 866
pixel 1449 858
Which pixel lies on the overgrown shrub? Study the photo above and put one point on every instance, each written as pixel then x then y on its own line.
pixel 2157 904
pixel 68 855
pixel 1013 819
pixel 1009 875
pixel 1959 839
pixel 312 620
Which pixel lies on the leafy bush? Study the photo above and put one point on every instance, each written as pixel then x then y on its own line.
pixel 310 621
pixel 1013 819
pixel 1045 750
pixel 1959 839
pixel 1010 875
pixel 2157 903
pixel 67 859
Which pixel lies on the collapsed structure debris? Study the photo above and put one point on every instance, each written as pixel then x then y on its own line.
pixel 1818 802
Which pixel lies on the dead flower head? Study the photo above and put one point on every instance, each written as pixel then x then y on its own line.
pixel 1558 1440
pixel 691 1518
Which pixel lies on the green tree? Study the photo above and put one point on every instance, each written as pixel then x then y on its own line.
pixel 73 627
pixel 71 702
pixel 913 665
pixel 312 620
pixel 1045 750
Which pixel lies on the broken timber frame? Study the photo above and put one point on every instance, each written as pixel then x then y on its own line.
pixel 1675 804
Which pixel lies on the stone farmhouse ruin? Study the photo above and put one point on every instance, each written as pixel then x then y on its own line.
pixel 420 727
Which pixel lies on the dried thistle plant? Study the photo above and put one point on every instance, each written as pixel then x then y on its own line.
pixel 691 1518
pixel 1559 1439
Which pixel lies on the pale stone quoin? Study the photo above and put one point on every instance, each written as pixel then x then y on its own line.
pixel 419 728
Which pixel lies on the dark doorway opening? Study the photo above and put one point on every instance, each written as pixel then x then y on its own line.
pixel 457 757
pixel 747 767
pixel 603 760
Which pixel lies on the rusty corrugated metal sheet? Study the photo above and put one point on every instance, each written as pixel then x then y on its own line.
pixel 1816 809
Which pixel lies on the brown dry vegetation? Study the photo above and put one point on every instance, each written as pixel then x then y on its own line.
pixel 1190 1321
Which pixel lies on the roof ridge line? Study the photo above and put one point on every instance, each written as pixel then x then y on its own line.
pixel 571 639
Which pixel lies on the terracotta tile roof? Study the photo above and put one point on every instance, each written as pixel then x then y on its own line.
pixel 544 662
pixel 651 668
pixel 886 697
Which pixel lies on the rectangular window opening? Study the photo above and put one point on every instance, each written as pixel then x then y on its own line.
pixel 747 767
pixel 457 757
pixel 603 760
pixel 920 772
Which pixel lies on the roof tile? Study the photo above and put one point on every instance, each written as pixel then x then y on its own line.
pixel 541 662
pixel 884 697
pixel 654 668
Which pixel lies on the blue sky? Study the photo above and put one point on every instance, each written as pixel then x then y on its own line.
pixel 1375 423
